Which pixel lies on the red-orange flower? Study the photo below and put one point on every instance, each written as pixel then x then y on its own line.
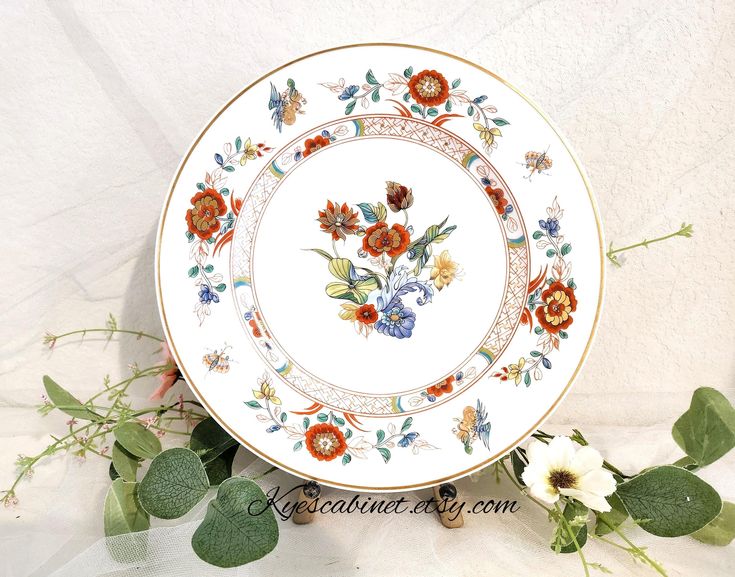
pixel 339 220
pixel 439 389
pixel 497 197
pixel 560 302
pixel 366 314
pixel 314 144
pixel 202 217
pixel 325 442
pixel 380 239
pixel 429 88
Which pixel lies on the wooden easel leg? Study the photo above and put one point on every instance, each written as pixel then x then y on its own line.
pixel 308 494
pixel 446 493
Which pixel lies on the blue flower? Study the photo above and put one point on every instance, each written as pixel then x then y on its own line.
pixel 551 226
pixel 206 295
pixel 397 321
pixel 349 92
pixel 407 439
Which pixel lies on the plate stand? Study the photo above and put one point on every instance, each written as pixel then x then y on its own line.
pixel 445 493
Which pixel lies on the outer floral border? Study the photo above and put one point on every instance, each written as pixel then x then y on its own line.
pixel 454 475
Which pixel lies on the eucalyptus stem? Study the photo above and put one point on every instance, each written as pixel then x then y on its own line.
pixel 50 339
pixel 570 532
pixel 632 549
pixel 685 230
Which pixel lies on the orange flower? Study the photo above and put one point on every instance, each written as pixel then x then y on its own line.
pixel 314 144
pixel 202 217
pixel 325 442
pixel 429 88
pixel 555 315
pixel 497 197
pixel 439 389
pixel 380 239
pixel 399 197
pixel 339 220
pixel 366 314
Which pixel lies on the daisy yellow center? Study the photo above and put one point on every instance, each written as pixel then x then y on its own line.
pixel 562 479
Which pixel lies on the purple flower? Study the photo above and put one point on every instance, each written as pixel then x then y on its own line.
pixel 397 321
pixel 206 295
pixel 551 226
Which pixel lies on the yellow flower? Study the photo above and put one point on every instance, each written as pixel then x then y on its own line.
pixel 444 270
pixel 515 372
pixel 249 152
pixel 349 312
pixel 487 134
pixel 266 391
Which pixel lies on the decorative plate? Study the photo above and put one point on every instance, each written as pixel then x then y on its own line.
pixel 380 267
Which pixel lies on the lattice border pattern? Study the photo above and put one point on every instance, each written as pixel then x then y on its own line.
pixel 266 184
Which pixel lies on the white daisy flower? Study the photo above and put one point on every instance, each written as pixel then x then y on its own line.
pixel 557 469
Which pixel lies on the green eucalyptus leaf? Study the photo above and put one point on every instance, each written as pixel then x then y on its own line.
pixel 209 440
pixel 686 462
pixel 123 513
pixel 66 402
pixel 220 469
pixel 238 528
pixel 571 510
pixel 125 463
pixel 113 472
pixel 721 530
pixel 518 466
pixel 138 440
pixel 707 430
pixel 613 518
pixel 669 501
pixel 174 483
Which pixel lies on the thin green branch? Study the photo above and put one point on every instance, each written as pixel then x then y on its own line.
pixel 686 231
pixel 50 338
pixel 573 536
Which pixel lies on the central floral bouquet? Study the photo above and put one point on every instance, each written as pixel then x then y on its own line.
pixel 375 293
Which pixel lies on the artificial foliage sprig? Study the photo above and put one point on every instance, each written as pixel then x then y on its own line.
pixel 146 479
pixel 664 500
pixel 92 424
pixel 685 230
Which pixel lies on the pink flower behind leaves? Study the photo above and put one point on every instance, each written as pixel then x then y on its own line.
pixel 168 377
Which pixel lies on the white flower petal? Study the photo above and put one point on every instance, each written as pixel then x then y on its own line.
pixel 585 460
pixel 560 453
pixel 537 452
pixel 599 482
pixel 535 473
pixel 544 492
pixel 594 502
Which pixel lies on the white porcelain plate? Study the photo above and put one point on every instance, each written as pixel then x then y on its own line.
pixel 379 267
